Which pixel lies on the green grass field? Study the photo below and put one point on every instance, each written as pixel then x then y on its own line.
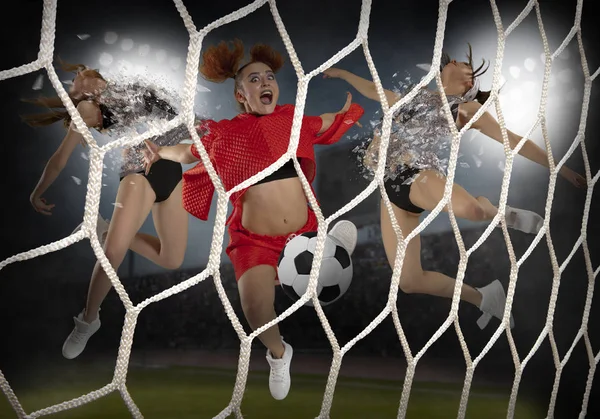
pixel 182 393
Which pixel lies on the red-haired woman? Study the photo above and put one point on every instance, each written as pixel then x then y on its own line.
pixel 266 214
pixel 110 107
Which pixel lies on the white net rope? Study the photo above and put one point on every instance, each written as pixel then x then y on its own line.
pixel 97 153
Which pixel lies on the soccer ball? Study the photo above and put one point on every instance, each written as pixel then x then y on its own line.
pixel 296 261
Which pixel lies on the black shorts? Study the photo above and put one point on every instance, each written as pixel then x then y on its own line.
pixel 163 177
pixel 399 194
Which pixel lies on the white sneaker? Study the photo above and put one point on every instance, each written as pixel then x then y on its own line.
pixel 279 378
pixel 75 343
pixel 523 220
pixel 493 302
pixel 346 233
pixel 101 229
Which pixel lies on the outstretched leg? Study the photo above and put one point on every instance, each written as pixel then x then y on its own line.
pixel 257 293
pixel 136 199
pixel 136 202
pixel 427 194
pixel 413 279
pixel 428 190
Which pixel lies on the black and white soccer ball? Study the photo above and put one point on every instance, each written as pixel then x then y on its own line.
pixel 295 262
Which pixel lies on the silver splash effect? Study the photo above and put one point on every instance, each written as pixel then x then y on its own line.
pixel 129 108
pixel 420 137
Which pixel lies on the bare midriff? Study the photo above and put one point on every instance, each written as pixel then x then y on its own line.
pixel 275 208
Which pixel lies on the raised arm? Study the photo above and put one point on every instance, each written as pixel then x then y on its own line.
pixel 329 128
pixel 365 87
pixel 91 115
pixel 329 118
pixel 488 125
pixel 180 153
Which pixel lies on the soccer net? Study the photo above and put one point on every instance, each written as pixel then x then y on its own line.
pixel 97 153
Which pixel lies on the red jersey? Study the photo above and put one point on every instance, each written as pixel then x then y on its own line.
pixel 247 144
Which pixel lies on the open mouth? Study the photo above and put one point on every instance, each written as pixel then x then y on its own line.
pixel 266 97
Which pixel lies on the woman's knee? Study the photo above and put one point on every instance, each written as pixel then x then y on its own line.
pixel 173 261
pixel 255 304
pixel 257 289
pixel 471 210
pixel 115 252
pixel 410 283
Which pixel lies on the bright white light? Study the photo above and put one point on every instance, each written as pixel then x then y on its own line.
pixel 515 96
pixel 551 102
pixel 127 44
pixel 105 59
pixel 514 71
pixel 144 50
pixel 565 76
pixel 513 118
pixel 565 54
pixel 529 87
pixel 124 67
pixel 502 80
pixel 573 96
pixel 174 63
pixel 110 37
pixel 140 69
pixel 161 55
pixel 529 64
pixel 515 106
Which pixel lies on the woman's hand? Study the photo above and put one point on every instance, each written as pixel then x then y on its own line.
pixel 347 106
pixel 151 155
pixel 40 205
pixel 573 177
pixel 332 73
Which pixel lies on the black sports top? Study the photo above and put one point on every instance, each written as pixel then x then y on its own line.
pixel 284 172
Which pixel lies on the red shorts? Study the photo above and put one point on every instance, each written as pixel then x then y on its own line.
pixel 247 250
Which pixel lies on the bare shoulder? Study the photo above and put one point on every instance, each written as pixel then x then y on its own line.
pixel 87 108
pixel 90 113
pixel 469 108
pixel 466 111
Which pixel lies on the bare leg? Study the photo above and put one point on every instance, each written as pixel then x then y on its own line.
pixel 413 279
pixel 171 224
pixel 136 201
pixel 427 195
pixel 257 293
